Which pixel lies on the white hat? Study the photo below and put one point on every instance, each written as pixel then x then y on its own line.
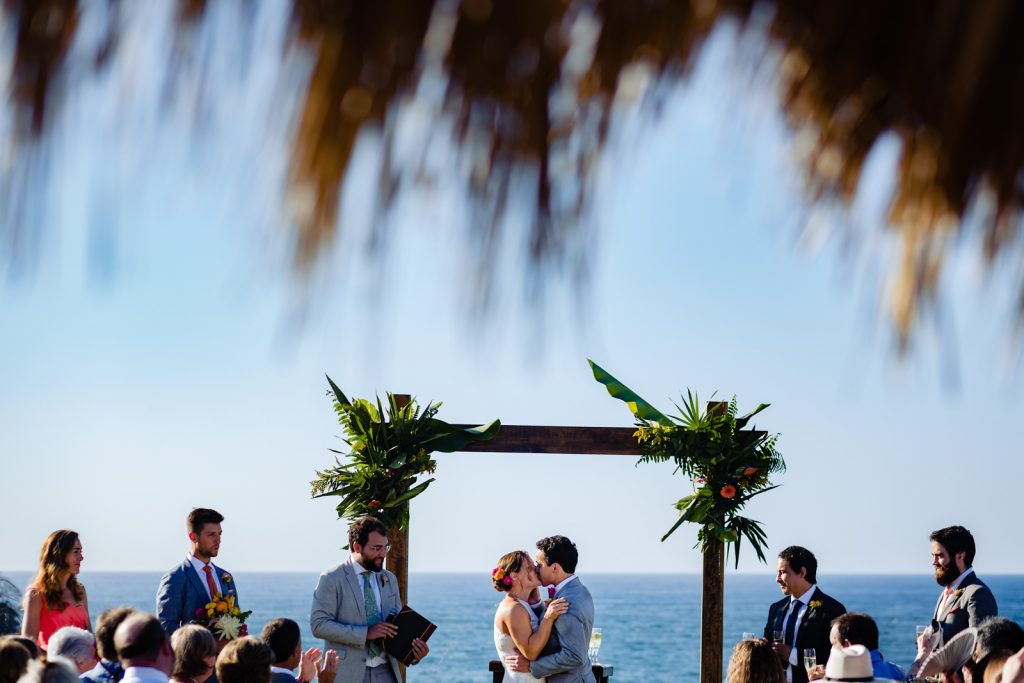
pixel 852 664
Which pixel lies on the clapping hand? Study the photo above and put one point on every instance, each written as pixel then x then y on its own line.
pixel 328 668
pixel 309 664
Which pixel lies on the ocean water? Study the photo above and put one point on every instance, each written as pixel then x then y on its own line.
pixel 650 623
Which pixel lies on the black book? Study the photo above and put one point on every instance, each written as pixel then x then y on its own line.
pixel 411 625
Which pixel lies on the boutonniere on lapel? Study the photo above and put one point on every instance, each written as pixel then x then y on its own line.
pixel 226 580
pixel 815 604
pixel 384 580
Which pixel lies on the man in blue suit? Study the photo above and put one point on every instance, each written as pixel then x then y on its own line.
pixel 185 590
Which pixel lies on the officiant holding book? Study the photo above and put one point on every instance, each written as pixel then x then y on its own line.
pixel 351 605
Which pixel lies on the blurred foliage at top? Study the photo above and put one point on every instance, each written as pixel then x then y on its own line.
pixel 533 86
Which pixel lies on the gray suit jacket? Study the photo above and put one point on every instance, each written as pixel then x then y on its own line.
pixel 570 663
pixel 339 617
pixel 971 603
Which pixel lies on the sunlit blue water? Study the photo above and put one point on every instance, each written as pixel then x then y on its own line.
pixel 651 624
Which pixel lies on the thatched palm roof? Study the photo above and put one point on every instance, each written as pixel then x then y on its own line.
pixel 533 85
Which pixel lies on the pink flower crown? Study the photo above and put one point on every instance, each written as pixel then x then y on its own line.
pixel 498 574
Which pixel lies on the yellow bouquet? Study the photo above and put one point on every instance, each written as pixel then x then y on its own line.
pixel 223 617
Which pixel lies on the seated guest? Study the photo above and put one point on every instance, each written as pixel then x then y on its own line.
pixel 990 668
pixel 144 649
pixel 54 670
pixel 195 653
pixel 851 663
pixel 14 659
pixel 74 644
pixel 285 640
pixel 857 628
pixel 245 660
pixel 998 633
pixel 109 669
pixel 55 598
pixel 754 661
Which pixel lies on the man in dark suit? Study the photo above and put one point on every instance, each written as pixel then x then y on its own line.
pixel 185 590
pixel 965 600
pixel 804 617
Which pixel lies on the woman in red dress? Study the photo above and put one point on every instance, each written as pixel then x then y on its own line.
pixel 55 598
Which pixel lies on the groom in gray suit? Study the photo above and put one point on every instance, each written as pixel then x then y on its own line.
pixel 350 604
pixel 564 658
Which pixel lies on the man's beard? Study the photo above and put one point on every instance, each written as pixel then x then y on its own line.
pixel 944 576
pixel 372 565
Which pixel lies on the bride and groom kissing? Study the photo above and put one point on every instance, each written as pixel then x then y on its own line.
pixel 542 640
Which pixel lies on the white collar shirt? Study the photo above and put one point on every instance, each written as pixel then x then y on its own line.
pixel 560 586
pixel 360 570
pixel 198 565
pixel 144 674
pixel 794 653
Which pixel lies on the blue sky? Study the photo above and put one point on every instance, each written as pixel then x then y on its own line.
pixel 163 356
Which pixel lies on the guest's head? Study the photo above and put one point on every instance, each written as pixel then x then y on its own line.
pixel 204 531
pixel 245 660
pixel 754 661
pixel 106 625
pixel 29 644
pixel 952 553
pixel 368 540
pixel 556 559
pixel 282 636
pixel 998 633
pixel 53 670
pixel 195 653
pixel 513 571
pixel 141 641
pixel 60 561
pixel 14 659
pixel 854 628
pixel 796 571
pixel 988 669
pixel 75 644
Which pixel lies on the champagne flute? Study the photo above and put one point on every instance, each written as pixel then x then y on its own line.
pixel 810 658
pixel 595 645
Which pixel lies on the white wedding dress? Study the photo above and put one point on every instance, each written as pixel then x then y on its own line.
pixel 506 646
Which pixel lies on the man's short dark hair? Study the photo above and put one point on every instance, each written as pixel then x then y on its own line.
pixel 139 643
pixel 801 558
pixel 106 625
pixel 283 636
pixel 956 539
pixel 998 633
pixel 858 628
pixel 202 516
pixel 361 529
pixel 561 551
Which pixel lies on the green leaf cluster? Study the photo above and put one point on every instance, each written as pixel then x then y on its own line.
pixel 726 465
pixel 389 451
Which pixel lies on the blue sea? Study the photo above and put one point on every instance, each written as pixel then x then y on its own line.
pixel 650 623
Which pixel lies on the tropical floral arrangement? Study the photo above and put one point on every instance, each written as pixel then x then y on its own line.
pixel 389 450
pixel 726 465
pixel 223 617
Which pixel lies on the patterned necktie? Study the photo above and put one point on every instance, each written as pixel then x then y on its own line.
pixel 372 612
pixel 209 581
pixel 790 634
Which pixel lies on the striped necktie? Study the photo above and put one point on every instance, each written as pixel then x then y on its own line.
pixel 372 612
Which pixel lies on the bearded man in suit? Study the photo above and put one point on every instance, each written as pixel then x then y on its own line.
pixel 185 590
pixel 965 601
pixel 804 616
pixel 351 603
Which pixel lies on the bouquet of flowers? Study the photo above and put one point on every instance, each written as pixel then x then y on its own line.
pixel 223 617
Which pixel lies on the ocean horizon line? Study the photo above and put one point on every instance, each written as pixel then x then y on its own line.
pixel 441 572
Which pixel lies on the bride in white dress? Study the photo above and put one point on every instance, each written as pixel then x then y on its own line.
pixel 516 626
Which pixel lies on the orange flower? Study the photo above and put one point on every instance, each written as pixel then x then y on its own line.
pixel 374 504
pixel 750 470
pixel 728 491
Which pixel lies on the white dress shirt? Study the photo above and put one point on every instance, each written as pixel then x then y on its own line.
pixel 794 654
pixel 144 674
pixel 198 566
pixel 375 583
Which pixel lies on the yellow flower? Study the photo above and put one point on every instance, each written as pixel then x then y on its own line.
pixel 815 604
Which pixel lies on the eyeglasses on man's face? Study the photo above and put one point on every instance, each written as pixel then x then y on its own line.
pixel 379 548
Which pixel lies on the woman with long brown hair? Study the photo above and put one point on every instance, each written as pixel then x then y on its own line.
pixel 754 661
pixel 55 598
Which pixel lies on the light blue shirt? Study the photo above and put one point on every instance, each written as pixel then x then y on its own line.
pixel 883 669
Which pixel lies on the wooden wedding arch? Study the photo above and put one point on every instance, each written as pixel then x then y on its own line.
pixel 596 441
